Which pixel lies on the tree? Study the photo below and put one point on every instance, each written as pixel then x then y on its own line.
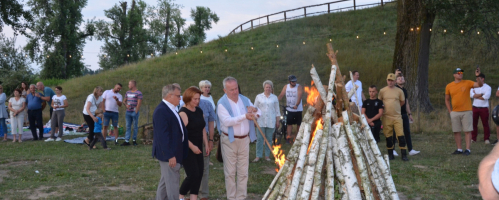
pixel 203 17
pixel 415 18
pixel 56 41
pixel 14 65
pixel 125 38
pixel 181 36
pixel 162 20
pixel 13 14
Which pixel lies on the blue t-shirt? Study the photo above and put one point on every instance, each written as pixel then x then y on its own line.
pixel 33 102
pixel 48 92
pixel 98 125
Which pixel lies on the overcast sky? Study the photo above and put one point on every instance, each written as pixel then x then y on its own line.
pixel 231 14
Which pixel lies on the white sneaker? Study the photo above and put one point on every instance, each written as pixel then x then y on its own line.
pixel 58 139
pixel 395 153
pixel 413 152
pixel 487 142
pixel 49 140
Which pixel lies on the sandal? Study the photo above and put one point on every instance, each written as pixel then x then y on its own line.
pixel 256 160
pixel 85 142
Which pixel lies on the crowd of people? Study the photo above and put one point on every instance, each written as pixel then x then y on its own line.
pixel 184 124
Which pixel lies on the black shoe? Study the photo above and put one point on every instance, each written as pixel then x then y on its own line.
pixel 404 155
pixel 466 152
pixel 390 154
pixel 125 144
pixel 134 143
pixel 494 143
pixel 457 152
pixel 115 142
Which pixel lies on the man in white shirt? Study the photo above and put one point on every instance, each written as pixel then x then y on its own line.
pixel 480 109
pixel 356 83
pixel 235 125
pixel 112 100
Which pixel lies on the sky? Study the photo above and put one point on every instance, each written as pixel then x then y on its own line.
pixel 231 13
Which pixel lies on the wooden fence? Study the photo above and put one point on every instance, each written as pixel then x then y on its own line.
pixel 251 24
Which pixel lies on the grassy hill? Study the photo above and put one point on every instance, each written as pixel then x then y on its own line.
pixel 301 43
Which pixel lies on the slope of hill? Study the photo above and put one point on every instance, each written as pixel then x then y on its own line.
pixel 275 51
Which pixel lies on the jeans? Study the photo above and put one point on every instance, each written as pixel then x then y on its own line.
pixel 261 144
pixel 131 117
pixel 36 121
pixel 4 126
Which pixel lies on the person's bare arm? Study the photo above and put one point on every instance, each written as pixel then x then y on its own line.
pixel 378 116
pixel 65 104
pixel 103 105
pixel 485 169
pixel 300 93
pixel 45 98
pixel 10 107
pixel 283 92
pixel 408 109
pixel 479 81
pixel 447 103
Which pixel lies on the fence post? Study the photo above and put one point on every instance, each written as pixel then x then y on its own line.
pixel 381 3
pixel 241 28
pixel 284 15
pixel 328 8
pixel 305 11
pixel 251 24
pixel 354 5
pixel 267 20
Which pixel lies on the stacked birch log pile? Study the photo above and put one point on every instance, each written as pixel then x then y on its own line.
pixel 340 159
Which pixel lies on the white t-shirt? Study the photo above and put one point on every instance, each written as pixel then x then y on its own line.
pixel 16 105
pixel 349 87
pixel 111 104
pixel 95 102
pixel 58 101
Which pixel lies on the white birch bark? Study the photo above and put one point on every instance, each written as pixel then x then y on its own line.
pixel 319 165
pixel 384 165
pixel 318 84
pixel 300 163
pixel 330 93
pixel 335 157
pixel 312 160
pixel 359 158
pixel 352 185
pixel 272 184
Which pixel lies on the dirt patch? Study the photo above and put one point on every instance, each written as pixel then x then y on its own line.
pixel 420 166
pixel 121 187
pixel 252 196
pixel 44 192
pixel 269 170
pixel 17 163
pixel 3 174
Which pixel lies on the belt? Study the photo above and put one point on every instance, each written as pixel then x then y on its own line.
pixel 480 107
pixel 238 137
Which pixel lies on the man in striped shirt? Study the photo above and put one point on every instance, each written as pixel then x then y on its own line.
pixel 133 100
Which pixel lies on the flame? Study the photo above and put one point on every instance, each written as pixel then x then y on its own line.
pixel 317 127
pixel 313 93
pixel 280 157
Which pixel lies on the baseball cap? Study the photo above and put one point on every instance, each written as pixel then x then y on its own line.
pixel 292 78
pixel 391 76
pixel 458 70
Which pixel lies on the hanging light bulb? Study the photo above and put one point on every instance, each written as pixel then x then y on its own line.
pixel 48 56
pixel 462 31
pixel 82 56
pixel 277 46
pixel 417 28
pixel 152 54
pixel 332 39
pixel 478 32
pixel 201 51
pixel 176 53
pixel 445 30
pixel 412 29
pixel 357 37
pixel 105 55
pixel 384 33
pixel 430 29
pixel 26 55
pixel 5 55
pixel 225 50
pixel 128 55
pixel 251 48
pixel 69 56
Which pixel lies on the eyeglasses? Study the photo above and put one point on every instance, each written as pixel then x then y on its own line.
pixel 460 73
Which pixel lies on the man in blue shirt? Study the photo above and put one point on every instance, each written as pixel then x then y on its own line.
pixel 209 119
pixel 48 93
pixel 34 101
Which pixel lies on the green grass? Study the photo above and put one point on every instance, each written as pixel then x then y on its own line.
pixel 72 172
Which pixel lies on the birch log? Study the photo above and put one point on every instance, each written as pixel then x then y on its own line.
pixel 352 185
pixel 312 160
pixel 335 157
pixel 359 158
pixel 383 164
pixel 319 164
pixel 330 93
pixel 300 163
pixel 318 83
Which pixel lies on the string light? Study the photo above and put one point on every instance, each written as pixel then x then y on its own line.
pixel 478 32
pixel 384 33
pixel 26 55
pixel 48 56
pixel 105 55
pixel 417 28
pixel 251 48
pixel 5 55
pixel 303 42
pixel 277 46
pixel 430 29
pixel 201 51
pixel 357 37
pixel 445 30
pixel 176 53
pixel 151 54
pixel 128 55
pixel 462 31
pixel 225 50
pixel 332 39
pixel 412 29
pixel 69 56
pixel 82 56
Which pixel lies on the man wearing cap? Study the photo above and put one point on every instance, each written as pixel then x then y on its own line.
pixel 293 92
pixel 461 112
pixel 480 109
pixel 393 98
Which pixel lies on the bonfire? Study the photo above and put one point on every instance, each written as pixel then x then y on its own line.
pixel 333 146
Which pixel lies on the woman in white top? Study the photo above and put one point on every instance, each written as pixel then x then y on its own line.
pixel 91 103
pixel 205 87
pixel 59 102
pixel 3 113
pixel 17 105
pixel 268 121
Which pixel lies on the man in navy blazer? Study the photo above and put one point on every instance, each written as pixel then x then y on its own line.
pixel 170 145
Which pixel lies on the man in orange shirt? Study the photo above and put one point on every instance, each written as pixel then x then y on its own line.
pixel 461 113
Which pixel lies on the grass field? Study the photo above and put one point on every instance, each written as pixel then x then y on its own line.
pixel 69 171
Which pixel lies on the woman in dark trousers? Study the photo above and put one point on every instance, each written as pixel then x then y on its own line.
pixel 91 104
pixel 192 116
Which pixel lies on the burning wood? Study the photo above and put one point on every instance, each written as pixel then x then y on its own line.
pixel 324 154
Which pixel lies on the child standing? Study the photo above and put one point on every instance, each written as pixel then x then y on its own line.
pixel 372 108
pixel 98 131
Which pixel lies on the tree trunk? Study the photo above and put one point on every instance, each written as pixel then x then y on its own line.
pixel 412 50
pixel 167 31
pixel 123 27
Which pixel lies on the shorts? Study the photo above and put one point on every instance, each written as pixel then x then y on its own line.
pixel 462 121
pixel 108 115
pixel 294 118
